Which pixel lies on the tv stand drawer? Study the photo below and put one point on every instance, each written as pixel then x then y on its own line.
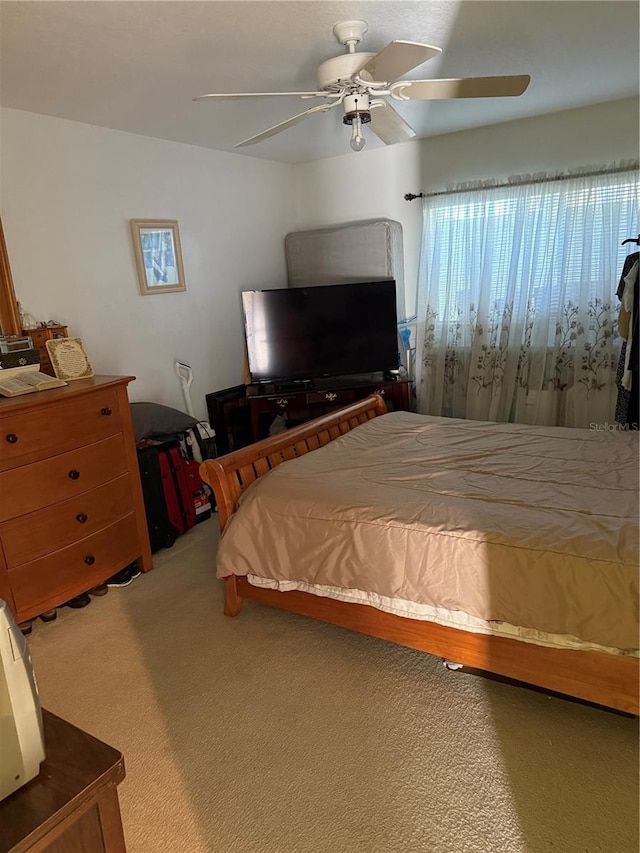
pixel 337 396
pixel 301 406
pixel 278 403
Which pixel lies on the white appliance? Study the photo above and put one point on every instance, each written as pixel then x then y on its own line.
pixel 21 732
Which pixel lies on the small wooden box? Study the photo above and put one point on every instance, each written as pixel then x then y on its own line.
pixel 39 338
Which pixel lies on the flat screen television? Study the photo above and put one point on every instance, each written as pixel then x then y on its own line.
pixel 304 333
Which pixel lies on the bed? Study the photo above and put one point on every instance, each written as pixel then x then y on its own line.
pixel 503 547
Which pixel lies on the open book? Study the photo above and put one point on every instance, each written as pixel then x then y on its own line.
pixel 27 383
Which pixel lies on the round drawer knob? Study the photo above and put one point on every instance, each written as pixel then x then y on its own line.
pixel 74 474
pixel 81 517
pixel 11 438
pixel 106 411
pixel 89 559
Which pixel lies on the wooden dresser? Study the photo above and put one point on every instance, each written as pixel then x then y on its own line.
pixel 71 506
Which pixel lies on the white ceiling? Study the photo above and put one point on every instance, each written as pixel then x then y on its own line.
pixel 135 65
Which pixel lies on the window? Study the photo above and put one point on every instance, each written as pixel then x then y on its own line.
pixel 542 239
pixel 517 297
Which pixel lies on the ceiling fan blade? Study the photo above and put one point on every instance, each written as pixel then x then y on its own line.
pixel 396 59
pixel 462 87
pixel 388 125
pixel 284 125
pixel 236 95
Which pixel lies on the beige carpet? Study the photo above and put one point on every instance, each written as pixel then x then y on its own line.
pixel 271 733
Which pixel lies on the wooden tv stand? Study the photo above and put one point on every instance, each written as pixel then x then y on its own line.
pixel 302 403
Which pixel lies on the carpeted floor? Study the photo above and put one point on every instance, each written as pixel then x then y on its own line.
pixel 271 733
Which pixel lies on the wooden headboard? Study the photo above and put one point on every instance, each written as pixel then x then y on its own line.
pixel 230 475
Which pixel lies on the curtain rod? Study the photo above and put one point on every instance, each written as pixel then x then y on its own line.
pixel 525 179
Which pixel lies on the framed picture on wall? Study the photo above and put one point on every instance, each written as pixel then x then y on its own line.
pixel 156 246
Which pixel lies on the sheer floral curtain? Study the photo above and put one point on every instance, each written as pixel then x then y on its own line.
pixel 517 306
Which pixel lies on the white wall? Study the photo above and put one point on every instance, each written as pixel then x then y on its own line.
pixel 68 193
pixel 372 184
pixel 69 190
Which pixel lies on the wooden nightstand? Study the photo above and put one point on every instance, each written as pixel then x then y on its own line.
pixel 39 338
pixel 72 804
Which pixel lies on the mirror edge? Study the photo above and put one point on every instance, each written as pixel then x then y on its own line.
pixel 9 316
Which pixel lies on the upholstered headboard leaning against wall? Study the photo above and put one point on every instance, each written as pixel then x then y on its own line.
pixel 354 251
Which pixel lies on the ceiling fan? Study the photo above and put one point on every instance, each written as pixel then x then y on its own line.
pixel 361 82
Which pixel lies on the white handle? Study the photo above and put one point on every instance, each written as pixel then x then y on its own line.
pixel 185 375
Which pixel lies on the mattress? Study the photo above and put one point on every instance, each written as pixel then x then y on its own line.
pixel 367 250
pixel 509 529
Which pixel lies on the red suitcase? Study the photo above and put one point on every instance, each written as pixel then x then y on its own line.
pixel 185 494
pixel 177 493
pixel 199 497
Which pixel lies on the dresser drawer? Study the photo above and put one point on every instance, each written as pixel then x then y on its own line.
pixel 62 426
pixel 39 337
pixel 32 487
pixel 75 569
pixel 39 533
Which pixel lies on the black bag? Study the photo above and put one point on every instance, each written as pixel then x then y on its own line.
pixel 162 534
pixel 202 437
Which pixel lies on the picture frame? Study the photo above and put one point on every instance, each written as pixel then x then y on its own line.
pixel 158 255
pixel 69 358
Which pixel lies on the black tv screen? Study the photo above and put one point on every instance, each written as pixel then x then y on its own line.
pixel 332 330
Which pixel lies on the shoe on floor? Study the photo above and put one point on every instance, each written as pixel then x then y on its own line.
pixel 101 589
pixel 122 578
pixel 49 615
pixel 78 601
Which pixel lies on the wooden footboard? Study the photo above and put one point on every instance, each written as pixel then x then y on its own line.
pixel 609 680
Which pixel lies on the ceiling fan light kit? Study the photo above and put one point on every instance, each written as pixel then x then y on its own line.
pixel 356 114
pixel 361 82
pixel 357 139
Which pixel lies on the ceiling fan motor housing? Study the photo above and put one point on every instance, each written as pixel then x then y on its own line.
pixel 336 73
